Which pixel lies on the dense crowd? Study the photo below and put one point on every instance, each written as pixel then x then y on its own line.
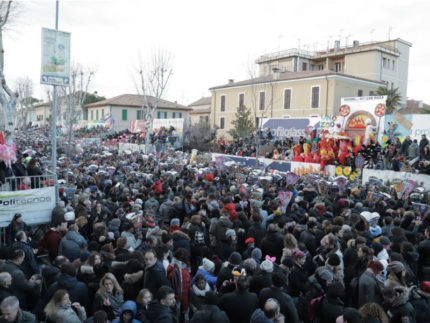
pixel 161 239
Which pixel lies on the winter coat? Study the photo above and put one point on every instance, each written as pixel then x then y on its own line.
pixel 11 232
pixel 421 303
pixel 181 240
pixel 131 285
pixel 71 245
pixel 287 307
pixel 23 317
pixel 50 242
pixel 413 151
pixel 210 314
pixel 127 306
pixel 157 187
pixel 272 245
pixel 133 243
pixel 231 208
pixel 297 281
pixel 5 292
pixel 424 257
pixel 310 241
pixel 257 231
pixel 221 227
pixel 66 314
pixel 21 287
pixel 331 308
pixel 239 305
pixel 78 291
pixel 400 310
pixel 151 203
pixel 155 277
pixel 260 281
pixel 161 314
pixel 368 289
pixel 211 280
pixel 185 281
pixel 259 317
pixel 29 265
pixel 116 300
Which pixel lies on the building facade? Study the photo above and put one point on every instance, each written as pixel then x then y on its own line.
pixel 127 107
pixel 286 95
pixel 201 110
pixel 385 61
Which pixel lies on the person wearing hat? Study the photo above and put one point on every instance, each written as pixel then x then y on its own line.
pixel 420 300
pixel 250 245
pixel 207 269
pixel 227 245
pixel 277 291
pixel 225 274
pixel 368 286
pixel 396 275
pixel 298 276
pixel 263 278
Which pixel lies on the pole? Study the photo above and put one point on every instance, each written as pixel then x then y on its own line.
pixel 54 123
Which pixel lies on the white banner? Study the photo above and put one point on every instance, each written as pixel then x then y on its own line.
pixel 178 124
pixel 389 175
pixel 34 205
pixel 55 57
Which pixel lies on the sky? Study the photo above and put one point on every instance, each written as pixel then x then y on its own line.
pixel 209 41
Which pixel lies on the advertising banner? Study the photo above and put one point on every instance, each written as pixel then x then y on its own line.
pixel 358 113
pixel 55 57
pixel 403 125
pixel 289 127
pixel 34 205
pixel 389 175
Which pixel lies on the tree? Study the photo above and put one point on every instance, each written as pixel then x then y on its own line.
pixel 153 85
pixel 93 98
pixel 25 92
pixel 199 136
pixel 393 97
pixel 243 124
pixel 8 98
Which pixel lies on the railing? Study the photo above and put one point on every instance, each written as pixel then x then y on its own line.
pixel 28 182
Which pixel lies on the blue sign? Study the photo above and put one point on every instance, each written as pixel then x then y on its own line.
pixel 289 128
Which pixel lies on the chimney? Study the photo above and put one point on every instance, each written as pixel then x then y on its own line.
pixel 230 81
pixel 276 73
pixel 336 44
pixel 355 44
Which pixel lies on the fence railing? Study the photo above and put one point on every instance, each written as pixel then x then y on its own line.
pixel 21 183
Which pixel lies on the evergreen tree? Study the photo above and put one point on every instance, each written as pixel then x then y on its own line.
pixel 243 124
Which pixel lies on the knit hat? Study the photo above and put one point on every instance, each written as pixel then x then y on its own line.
pixel 333 260
pixel 267 266
pixel 298 254
pixel 230 233
pixel 250 265
pixel 256 253
pixel 375 231
pixel 396 267
pixel 320 209
pixel 208 265
pixel 249 240
pixel 235 258
pixel 385 241
pixel 150 222
pixel 175 222
pixel 425 286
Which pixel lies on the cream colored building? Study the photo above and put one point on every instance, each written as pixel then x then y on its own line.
pixel 43 113
pixel 386 61
pixel 286 95
pixel 201 110
pixel 127 107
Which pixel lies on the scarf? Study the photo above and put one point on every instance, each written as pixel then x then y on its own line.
pixel 116 301
pixel 200 292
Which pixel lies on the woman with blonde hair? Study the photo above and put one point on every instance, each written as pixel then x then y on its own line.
pixel 109 296
pixel 59 309
pixel 290 246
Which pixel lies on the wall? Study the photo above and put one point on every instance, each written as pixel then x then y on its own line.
pixel 363 64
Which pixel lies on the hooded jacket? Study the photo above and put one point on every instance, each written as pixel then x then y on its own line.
pixel 71 245
pixel 127 306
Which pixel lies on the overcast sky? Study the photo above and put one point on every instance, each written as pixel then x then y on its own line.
pixel 211 41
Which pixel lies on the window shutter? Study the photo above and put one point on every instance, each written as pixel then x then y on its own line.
pixel 315 97
pixel 287 99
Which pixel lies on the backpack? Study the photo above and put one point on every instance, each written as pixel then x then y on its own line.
pixel 314 310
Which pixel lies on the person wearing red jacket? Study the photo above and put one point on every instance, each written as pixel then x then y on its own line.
pixel 157 187
pixel 51 241
pixel 179 276
pixel 231 208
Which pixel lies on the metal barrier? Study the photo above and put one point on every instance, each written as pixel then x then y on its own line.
pixel 28 182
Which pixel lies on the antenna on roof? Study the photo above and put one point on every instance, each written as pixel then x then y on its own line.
pixel 298 43
pixel 340 34
pixel 346 40
pixel 371 34
pixel 390 28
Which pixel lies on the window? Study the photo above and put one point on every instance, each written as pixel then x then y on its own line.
pixel 287 98
pixel 360 93
pixel 315 99
pixel 207 118
pixel 179 115
pixel 312 67
pixel 304 66
pixel 241 99
pixel 394 65
pixel 221 122
pixel 222 102
pixel 97 114
pixel 165 115
pixel 257 122
pixel 158 114
pixel 103 114
pixel 286 116
pixel 262 103
pixel 384 62
pixel 371 93
pixel 337 67
pixel 124 114
pixel 320 67
pixel 173 115
pixel 92 115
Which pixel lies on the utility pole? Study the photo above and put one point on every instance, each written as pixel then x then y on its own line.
pixel 54 123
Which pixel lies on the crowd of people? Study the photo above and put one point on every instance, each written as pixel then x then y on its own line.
pixel 161 239
pixel 395 154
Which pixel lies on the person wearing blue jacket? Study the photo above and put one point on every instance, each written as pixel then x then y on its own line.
pixel 127 314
